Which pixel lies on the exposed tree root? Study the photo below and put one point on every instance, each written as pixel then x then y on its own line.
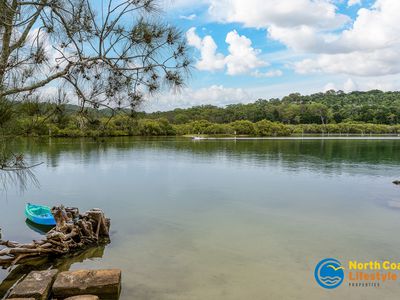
pixel 72 233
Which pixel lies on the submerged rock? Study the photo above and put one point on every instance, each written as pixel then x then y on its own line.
pixel 36 285
pixel 106 284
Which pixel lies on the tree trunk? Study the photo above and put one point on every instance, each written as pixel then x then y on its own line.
pixel 6 26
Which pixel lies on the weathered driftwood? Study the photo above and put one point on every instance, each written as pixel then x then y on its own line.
pixel 73 232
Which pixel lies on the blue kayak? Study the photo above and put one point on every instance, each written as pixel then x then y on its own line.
pixel 39 214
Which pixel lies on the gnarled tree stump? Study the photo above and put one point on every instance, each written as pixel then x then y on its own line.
pixel 73 232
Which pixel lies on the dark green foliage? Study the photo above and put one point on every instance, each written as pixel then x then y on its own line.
pixel 267 128
pixel 6 112
pixel 328 113
pixel 243 127
pixel 322 108
pixel 160 127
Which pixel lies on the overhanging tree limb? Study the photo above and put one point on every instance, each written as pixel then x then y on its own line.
pixel 123 55
pixel 36 85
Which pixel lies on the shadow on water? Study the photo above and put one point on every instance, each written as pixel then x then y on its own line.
pixel 41 229
pixel 62 264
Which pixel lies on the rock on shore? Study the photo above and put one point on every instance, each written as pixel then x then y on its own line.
pixel 37 285
pixel 106 284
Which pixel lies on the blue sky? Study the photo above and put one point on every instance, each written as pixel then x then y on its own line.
pixel 245 50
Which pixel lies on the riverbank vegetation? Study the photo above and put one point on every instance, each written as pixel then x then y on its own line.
pixel 373 112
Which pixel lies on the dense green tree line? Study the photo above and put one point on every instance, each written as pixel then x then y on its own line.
pixel 268 128
pixel 322 108
pixel 371 112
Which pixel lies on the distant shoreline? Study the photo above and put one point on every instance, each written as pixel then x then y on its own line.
pixel 307 137
pixel 200 138
pixel 126 126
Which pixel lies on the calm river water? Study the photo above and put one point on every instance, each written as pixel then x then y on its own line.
pixel 221 219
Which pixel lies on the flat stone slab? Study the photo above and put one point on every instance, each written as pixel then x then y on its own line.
pixel 83 297
pixel 102 283
pixel 36 285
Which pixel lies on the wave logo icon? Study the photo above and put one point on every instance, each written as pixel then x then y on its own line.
pixel 329 273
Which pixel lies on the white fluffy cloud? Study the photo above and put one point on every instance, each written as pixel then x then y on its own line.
pixel 210 60
pixel 242 57
pixel 302 25
pixel 329 86
pixel 215 95
pixel 368 46
pixel 353 2
pixel 375 28
pixel 271 73
pixel 300 38
pixel 283 13
pixel 374 63
pixel 189 17
pixel 350 86
pixel 181 4
pixel 371 47
pixel 386 83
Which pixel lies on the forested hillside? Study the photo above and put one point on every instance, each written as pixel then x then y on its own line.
pixel 322 108
pixel 330 112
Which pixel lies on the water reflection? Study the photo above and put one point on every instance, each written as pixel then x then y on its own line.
pixel 18 178
pixel 325 156
pixel 14 170
pixel 41 229
pixel 223 219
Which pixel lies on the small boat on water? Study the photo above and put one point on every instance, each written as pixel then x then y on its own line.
pixel 198 138
pixel 39 214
